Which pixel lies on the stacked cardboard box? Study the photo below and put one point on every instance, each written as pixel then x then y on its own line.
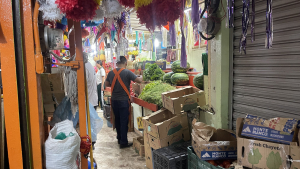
pixel 260 152
pixel 213 144
pixel 138 146
pixel 162 129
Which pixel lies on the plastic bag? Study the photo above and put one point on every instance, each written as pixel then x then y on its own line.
pixel 62 112
pixel 96 122
pixel 62 153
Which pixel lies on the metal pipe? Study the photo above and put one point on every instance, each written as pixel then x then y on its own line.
pixel 39 60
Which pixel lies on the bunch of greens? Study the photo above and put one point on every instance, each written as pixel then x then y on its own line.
pixel 152 72
pixel 152 92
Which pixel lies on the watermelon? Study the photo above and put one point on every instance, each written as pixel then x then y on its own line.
pixel 180 79
pixel 177 69
pixel 167 77
pixel 198 81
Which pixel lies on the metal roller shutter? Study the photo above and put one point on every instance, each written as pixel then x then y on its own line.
pixel 266 82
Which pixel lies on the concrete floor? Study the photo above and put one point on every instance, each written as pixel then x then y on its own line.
pixel 108 155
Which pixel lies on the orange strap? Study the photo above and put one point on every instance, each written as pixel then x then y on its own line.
pixel 117 76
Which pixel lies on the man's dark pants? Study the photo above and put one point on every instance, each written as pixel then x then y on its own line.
pixel 99 95
pixel 121 112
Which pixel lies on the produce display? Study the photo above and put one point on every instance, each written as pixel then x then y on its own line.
pixel 152 72
pixel 176 68
pixel 180 79
pixel 167 77
pixel 152 92
pixel 198 81
pixel 221 163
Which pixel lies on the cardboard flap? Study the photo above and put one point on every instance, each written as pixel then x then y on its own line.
pixel 202 130
pixel 280 124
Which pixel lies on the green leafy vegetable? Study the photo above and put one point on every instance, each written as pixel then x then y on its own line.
pixel 254 157
pixel 152 72
pixel 274 160
pixel 152 92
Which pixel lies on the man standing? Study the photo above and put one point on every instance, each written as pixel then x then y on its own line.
pixel 100 81
pixel 91 82
pixel 119 80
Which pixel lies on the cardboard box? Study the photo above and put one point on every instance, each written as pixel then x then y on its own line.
pixel 221 146
pixel 148 152
pixel 183 99
pixel 178 137
pixel 263 154
pixel 295 154
pixel 256 127
pixel 163 123
pixel 138 146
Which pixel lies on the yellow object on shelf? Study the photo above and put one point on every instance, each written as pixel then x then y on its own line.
pixel 140 123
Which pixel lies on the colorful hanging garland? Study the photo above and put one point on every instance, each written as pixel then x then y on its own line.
pixel 230 13
pixel 195 13
pixel 253 22
pixel 245 24
pixel 269 26
pixel 78 9
pixel 127 3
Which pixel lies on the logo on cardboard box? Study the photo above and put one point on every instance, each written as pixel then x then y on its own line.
pixel 174 127
pixel 189 104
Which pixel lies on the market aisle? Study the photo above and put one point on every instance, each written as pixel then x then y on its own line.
pixel 108 155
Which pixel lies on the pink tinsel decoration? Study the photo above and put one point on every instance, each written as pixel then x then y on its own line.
pixel 78 9
pixel 127 3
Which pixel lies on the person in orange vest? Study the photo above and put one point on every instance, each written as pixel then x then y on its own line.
pixel 119 80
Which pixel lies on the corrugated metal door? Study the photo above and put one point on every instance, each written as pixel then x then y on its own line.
pixel 266 82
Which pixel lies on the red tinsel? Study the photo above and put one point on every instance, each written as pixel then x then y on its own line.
pixel 127 3
pixel 145 14
pixel 84 33
pixel 159 13
pixel 78 9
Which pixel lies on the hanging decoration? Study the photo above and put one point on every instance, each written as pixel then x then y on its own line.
pixel 230 13
pixel 195 13
pixel 144 13
pixel 172 34
pixel 50 10
pixel 245 24
pixel 127 3
pixel 183 59
pixel 269 26
pixel 77 9
pixel 140 3
pixel 112 8
pixel 99 14
pixel 253 22
pixel 163 11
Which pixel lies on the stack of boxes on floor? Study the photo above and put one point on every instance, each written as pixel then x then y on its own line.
pixel 169 125
pixel 269 144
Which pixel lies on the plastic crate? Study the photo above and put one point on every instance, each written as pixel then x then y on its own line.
pixel 194 162
pixel 173 157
